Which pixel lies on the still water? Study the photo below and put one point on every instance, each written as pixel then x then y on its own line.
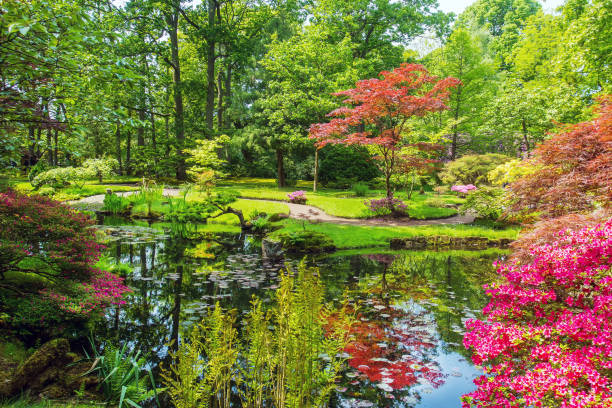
pixel 411 306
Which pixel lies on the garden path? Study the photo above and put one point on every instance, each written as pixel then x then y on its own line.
pixel 314 214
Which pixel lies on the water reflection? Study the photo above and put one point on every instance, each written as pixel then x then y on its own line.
pixel 410 306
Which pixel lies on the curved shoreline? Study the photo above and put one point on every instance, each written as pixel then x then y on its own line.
pixel 313 214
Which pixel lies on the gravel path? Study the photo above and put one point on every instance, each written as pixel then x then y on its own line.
pixel 307 212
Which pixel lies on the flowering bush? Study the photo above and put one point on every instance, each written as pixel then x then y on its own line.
pixel 463 189
pixel 47 252
pixel 297 197
pixel 487 203
pixel 386 206
pixel 547 339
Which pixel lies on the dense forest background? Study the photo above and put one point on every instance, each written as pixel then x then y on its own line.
pixel 142 80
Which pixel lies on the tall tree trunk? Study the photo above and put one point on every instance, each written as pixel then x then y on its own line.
pixel 49 147
pixel 151 107
pixel 140 142
pixel 227 100
pixel 118 147
pixel 210 65
pixel 55 159
pixel 453 154
pixel 220 94
pixel 128 149
pixel 316 171
pixel 179 127
pixel 280 168
pixel 31 143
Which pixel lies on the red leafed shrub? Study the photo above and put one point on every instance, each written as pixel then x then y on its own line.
pixel 575 170
pixel 47 255
pixel 547 337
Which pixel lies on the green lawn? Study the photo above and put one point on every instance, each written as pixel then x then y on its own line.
pixel 339 203
pixel 355 236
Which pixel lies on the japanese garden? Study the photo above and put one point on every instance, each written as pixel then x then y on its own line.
pixel 305 203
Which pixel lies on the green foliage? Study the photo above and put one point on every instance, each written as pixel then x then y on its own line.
pixel 360 189
pixel 436 202
pixel 122 372
pixel 290 356
pixel 472 169
pixel 338 163
pixel 487 202
pixel 511 171
pixel 101 168
pixel 116 204
pixel 305 241
pixel 57 178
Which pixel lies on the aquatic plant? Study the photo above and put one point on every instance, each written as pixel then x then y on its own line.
pixel 115 204
pixel 547 337
pixel 290 356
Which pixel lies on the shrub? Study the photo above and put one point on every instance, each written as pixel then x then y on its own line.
pixel 306 241
pixel 472 169
pixel 463 189
pixel 47 191
pixel 511 171
pixel 360 189
pixel 386 206
pixel 547 335
pixel 49 252
pixel 487 202
pixel 297 197
pixel 56 178
pixel 338 163
pixel 100 168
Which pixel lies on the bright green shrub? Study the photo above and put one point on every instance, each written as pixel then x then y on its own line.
pixel 360 189
pixel 100 168
pixel 511 171
pixel 56 178
pixel 472 169
pixel 487 202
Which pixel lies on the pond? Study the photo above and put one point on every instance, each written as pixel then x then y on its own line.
pixel 411 306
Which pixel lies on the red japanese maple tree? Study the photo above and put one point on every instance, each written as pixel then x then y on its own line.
pixel 378 111
pixel 573 185
pixel 575 174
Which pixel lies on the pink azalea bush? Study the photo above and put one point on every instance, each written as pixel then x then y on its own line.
pixel 45 239
pixel 463 189
pixel 547 337
pixel 297 197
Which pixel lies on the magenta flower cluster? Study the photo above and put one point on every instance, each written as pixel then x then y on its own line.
pixel 463 189
pixel 386 206
pixel 547 337
pixel 60 244
pixel 298 197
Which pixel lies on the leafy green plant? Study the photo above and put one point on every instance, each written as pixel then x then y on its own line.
pixel 291 355
pixel 472 169
pixel 261 223
pixel 487 202
pixel 116 204
pixel 121 371
pixel 149 193
pixel 360 189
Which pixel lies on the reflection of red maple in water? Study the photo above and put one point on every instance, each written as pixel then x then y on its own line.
pixel 390 353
